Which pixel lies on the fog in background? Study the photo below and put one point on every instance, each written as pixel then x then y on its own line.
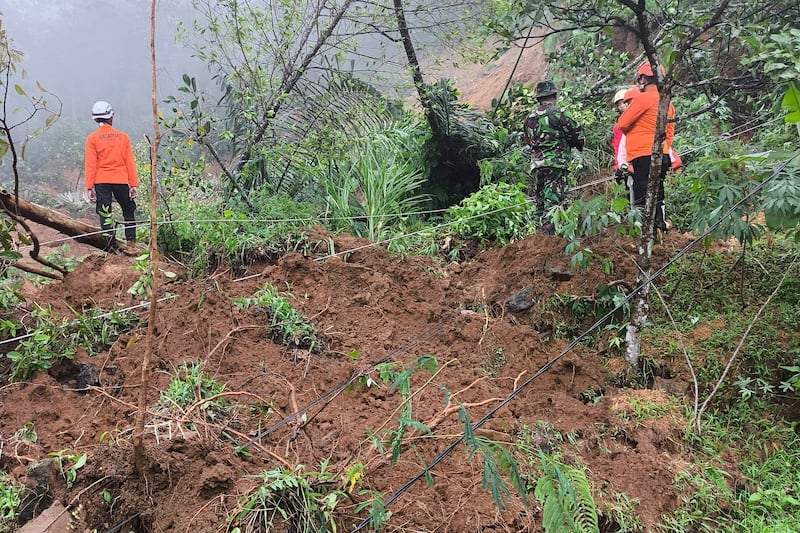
pixel 88 50
pixel 83 51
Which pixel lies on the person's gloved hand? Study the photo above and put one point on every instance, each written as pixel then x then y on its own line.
pixel 133 192
pixel 621 174
pixel 92 195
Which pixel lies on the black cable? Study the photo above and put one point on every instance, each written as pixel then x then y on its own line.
pixel 511 76
pixel 544 368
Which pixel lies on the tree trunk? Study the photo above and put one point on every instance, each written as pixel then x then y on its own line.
pixel 416 73
pixel 641 306
pixel 81 232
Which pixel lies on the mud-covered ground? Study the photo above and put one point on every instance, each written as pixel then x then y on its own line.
pixel 295 406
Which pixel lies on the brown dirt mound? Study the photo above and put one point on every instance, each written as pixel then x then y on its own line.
pixel 369 307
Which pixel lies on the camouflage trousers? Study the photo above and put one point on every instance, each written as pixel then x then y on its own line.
pixel 548 185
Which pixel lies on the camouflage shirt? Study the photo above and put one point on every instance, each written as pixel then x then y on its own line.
pixel 550 133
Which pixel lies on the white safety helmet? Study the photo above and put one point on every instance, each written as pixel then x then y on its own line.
pixel 620 95
pixel 102 109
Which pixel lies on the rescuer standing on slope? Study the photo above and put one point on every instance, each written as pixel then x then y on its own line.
pixel 110 171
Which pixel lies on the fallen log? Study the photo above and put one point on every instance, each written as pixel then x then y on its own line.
pixel 79 231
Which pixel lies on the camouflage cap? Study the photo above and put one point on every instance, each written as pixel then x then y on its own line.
pixel 545 88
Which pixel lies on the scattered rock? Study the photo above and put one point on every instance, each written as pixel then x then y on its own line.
pixel 560 275
pixel 42 478
pixel 675 387
pixel 522 301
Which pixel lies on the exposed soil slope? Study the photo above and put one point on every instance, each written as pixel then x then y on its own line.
pixel 370 307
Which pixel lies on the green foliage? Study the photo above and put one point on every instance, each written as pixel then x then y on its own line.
pixel 498 213
pixel 375 182
pixel 715 185
pixel 791 102
pixel 580 312
pixel 10 498
pixel 9 294
pixel 772 495
pixel 191 386
pixel 586 218
pixel 792 383
pixel 69 464
pixel 299 499
pixel 782 200
pixel 511 166
pixel 208 235
pixel 54 338
pixel 497 460
pixel 285 324
pixel 703 488
pixel 379 515
pixel 622 513
pixel 565 495
pixel 399 379
pixel 144 285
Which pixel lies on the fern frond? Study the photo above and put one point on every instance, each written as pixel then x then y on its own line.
pixel 565 495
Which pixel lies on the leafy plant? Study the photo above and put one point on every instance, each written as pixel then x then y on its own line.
pixel 298 499
pixel 10 498
pixel 144 285
pixel 191 385
pixel 565 495
pixel 211 234
pixel 69 464
pixel 9 291
pixel 375 183
pixel 54 338
pixel 399 379
pixel 497 460
pixel 586 218
pixel 498 213
pixel 793 382
pixel 26 433
pixel 286 325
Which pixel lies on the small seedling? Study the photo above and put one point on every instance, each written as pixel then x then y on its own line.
pixel 69 465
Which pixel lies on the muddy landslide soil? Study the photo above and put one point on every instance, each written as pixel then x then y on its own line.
pixel 369 307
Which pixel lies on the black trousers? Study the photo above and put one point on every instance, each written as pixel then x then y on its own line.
pixel 641 173
pixel 106 192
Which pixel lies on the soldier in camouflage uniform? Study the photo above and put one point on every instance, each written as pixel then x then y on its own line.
pixel 551 134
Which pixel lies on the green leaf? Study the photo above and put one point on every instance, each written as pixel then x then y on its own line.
pixel 791 101
pixel 19 89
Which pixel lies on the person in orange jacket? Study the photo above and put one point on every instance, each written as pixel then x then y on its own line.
pixel 638 123
pixel 110 171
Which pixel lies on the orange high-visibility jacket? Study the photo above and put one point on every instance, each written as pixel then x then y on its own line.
pixel 108 158
pixel 638 122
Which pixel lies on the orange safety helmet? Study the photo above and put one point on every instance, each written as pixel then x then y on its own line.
pixel 647 70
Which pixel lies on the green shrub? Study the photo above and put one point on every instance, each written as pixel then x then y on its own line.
pixel 292 500
pixel 498 213
pixel 191 386
pixel 55 338
pixel 286 325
